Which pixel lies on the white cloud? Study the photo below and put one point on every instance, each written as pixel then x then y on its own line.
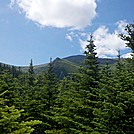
pixel 69 37
pixel 83 34
pixel 128 55
pixel 121 25
pixel 75 14
pixel 107 44
pixel 11 3
pixel 83 43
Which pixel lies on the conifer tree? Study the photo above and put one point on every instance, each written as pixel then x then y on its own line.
pixel 51 84
pixel 91 58
pixel 31 73
pixel 69 111
pixel 91 70
pixel 129 38
pixel 31 70
pixel 49 93
pixel 89 82
pixel 10 119
pixel 77 98
pixel 111 115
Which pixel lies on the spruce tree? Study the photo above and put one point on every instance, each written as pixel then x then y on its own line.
pixel 10 118
pixel 31 73
pixel 90 73
pixel 129 38
pixel 89 82
pixel 69 111
pixel 111 115
pixel 77 97
pixel 51 85
pixel 31 70
pixel 49 93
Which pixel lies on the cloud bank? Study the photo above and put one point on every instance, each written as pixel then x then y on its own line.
pixel 107 44
pixel 75 14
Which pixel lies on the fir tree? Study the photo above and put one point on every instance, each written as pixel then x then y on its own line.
pixel 51 84
pixel 89 83
pixel 111 115
pixel 31 70
pixel 49 93
pixel 91 70
pixel 77 98
pixel 129 37
pixel 10 119
pixel 31 73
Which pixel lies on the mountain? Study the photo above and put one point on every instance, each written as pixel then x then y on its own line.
pixel 79 59
pixel 63 67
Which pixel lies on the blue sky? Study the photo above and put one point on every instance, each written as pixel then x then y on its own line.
pixel 40 29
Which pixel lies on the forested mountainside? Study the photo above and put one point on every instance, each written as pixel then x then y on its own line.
pixel 94 100
pixel 79 60
pixel 66 66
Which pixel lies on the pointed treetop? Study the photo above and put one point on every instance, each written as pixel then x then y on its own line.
pixel 119 55
pixel 31 70
pixel 90 47
pixel 91 42
pixel 50 59
pixel 129 36
pixel 31 62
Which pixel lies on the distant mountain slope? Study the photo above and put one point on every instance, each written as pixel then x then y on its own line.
pixel 65 66
pixel 61 67
pixel 79 59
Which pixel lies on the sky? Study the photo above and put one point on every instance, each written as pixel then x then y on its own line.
pixel 44 29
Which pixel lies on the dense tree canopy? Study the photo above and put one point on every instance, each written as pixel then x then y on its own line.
pixel 96 100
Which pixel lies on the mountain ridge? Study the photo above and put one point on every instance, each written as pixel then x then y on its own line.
pixel 64 66
pixel 74 60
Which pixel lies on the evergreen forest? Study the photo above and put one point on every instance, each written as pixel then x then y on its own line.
pixel 95 100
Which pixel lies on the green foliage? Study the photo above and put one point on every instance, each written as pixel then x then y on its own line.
pixel 129 37
pixel 31 70
pixel 111 114
pixel 69 110
pixel 94 100
pixel 66 66
pixel 10 119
